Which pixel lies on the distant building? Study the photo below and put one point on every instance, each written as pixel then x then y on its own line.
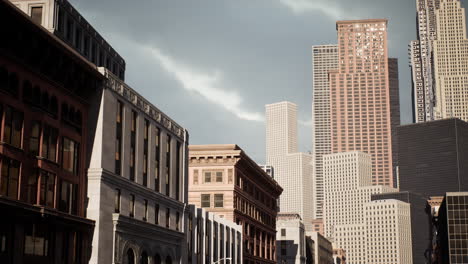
pixel 451 225
pixel 224 180
pixel 44 109
pixel 269 170
pixel 339 256
pixel 209 237
pixel 322 248
pixel 293 170
pixel 290 239
pixel 317 226
pixel 432 157
pixel 61 19
pixel 137 179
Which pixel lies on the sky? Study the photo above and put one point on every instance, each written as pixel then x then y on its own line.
pixel 212 65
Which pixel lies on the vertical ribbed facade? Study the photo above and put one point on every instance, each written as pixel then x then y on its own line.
pixel 361 97
pixel 324 59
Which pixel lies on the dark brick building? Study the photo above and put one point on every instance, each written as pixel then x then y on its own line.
pixel 45 87
pixel 433 157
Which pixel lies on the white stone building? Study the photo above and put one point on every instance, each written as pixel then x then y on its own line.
pixel 322 249
pixel 211 237
pixel 137 180
pixel 293 170
pixel 290 239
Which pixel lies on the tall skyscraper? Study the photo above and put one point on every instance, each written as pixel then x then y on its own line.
pixel 361 95
pixel 451 61
pixel 293 170
pixel 420 52
pixel 324 59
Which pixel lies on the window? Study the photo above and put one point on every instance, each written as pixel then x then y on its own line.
pixel 156 159
pixel 178 176
pixel 9 178
pixel 132 205
pixel 168 165
pixel 49 143
pixel 67 202
pixel 205 201
pixel 70 155
pixel 145 217
pixel 130 256
pixel 207 176
pixel 168 217
pixel 218 200
pixel 283 232
pixel 34 138
pixel 145 154
pixel 133 145
pixel 36 14
pixel 118 140
pixel 219 176
pixel 156 214
pixel 177 221
pixel 30 195
pixel 78 38
pixel 47 193
pixel 36 240
pixel 13 128
pixel 117 201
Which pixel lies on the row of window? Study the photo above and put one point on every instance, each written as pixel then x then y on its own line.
pixel 218 200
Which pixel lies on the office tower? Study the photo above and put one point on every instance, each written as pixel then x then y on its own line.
pixel 44 144
pixel 421 61
pixel 321 247
pixel 324 59
pixel 361 95
pixel 61 19
pixel 450 61
pixel 224 180
pixel 210 236
pixel 388 232
pixel 451 225
pixel 348 179
pixel 293 170
pixel 290 239
pixel 136 178
pixel 432 157
pixel 420 224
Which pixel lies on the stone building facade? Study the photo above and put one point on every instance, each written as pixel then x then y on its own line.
pixel 225 181
pixel 290 239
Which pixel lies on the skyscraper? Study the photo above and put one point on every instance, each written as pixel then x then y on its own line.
pixel 293 170
pixel 420 52
pixel 361 95
pixel 324 59
pixel 451 61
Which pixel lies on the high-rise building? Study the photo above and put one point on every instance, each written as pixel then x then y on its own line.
pixel 388 231
pixel 421 61
pixel 432 157
pixel 361 95
pixel 348 179
pixel 324 59
pixel 293 170
pixel 290 239
pixel 224 180
pixel 450 61
pixel 44 113
pixel 61 19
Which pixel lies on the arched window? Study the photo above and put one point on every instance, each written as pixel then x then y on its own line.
pixel 130 256
pixel 157 259
pixel 144 258
pixel 54 105
pixel 13 84
pixel 168 260
pixel 36 95
pixel 3 78
pixel 27 91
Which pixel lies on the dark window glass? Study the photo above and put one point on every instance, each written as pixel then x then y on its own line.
pixel 177 221
pixel 36 14
pixel 70 153
pixel 30 195
pixel 178 165
pixel 145 217
pixel 130 256
pixel 205 200
pixel 156 161
pixel 156 214
pixel 133 145
pixel 132 205
pixel 168 217
pixel 117 201
pixel 168 166
pixel 36 240
pixel 34 138
pixel 27 91
pixel 47 193
pixel 118 142
pixel 78 36
pixel 49 143
pixel 9 178
pixel 145 153
pixel 218 200
pixel 69 33
pixel 67 202
pixel 13 127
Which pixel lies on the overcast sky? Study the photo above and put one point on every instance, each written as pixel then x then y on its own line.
pixel 212 65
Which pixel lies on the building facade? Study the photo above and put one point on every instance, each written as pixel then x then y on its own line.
pixel 290 239
pixel 211 237
pixel 450 57
pixel 137 179
pixel 225 181
pixel 339 256
pixel 361 94
pixel 44 109
pixel 322 248
pixel 433 153
pixel 324 59
pixel 293 170
pixel 61 19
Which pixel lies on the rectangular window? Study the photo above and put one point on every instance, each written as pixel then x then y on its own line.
pixel 145 217
pixel 86 46
pixel 9 178
pixel 132 205
pixel 168 166
pixel 205 201
pixel 178 176
pixel 36 240
pixel 13 128
pixel 30 195
pixel 156 159
pixel 168 217
pixel 218 200
pixel 117 201
pixel 118 141
pixel 156 214
pixel 78 38
pixel 47 193
pixel 145 154
pixel 70 151
pixel 195 177
pixel 34 138
pixel 133 145
pixel 67 202
pixel 219 176
pixel 69 29
pixel 207 176
pixel 49 143
pixel 177 221
pixel 36 14
pixel 283 232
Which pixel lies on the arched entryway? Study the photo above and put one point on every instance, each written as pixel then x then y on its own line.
pixel 130 256
pixel 157 259
pixel 144 258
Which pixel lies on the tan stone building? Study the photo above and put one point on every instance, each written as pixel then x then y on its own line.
pixel 224 180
